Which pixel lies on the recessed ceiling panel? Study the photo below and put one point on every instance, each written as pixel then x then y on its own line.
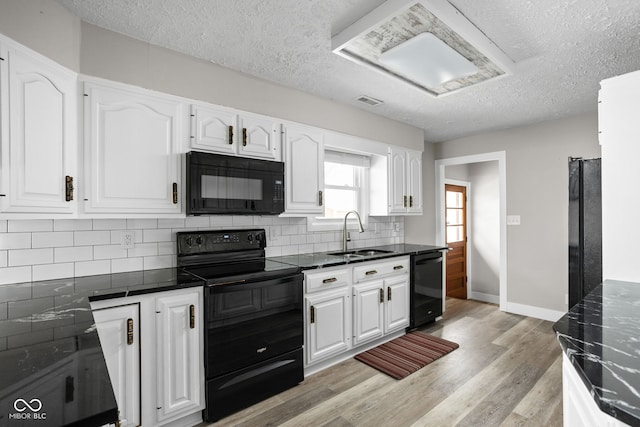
pixel 372 41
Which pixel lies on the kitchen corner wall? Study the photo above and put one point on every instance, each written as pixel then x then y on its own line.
pixel 51 249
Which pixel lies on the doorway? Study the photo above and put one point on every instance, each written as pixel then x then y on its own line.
pixel 455 205
pixel 499 161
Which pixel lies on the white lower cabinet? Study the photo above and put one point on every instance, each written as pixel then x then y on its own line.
pixel 119 331
pixel 179 354
pixel 164 331
pixel 578 407
pixel 327 313
pixel 349 306
pixel 368 313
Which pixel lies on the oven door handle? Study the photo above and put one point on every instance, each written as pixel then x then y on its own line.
pixel 226 283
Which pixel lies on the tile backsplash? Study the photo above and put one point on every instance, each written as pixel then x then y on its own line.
pixel 32 250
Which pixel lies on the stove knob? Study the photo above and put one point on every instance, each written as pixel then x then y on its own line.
pixel 189 241
pixel 250 237
pixel 258 237
pixel 199 240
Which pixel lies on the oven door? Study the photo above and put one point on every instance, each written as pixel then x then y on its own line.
pixel 233 185
pixel 248 323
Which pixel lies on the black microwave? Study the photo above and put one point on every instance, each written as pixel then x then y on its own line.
pixel 219 184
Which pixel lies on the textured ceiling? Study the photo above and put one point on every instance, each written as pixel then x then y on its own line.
pixel 562 49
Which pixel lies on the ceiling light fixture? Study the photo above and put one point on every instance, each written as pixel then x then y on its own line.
pixel 426 43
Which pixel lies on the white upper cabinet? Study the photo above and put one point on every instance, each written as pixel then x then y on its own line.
pixel 304 169
pixel 396 183
pixel 38 117
pixel 132 151
pixel 226 131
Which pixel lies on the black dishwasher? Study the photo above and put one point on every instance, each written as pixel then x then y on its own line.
pixel 426 288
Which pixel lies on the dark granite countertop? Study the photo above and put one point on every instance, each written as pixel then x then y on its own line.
pixel 601 337
pixel 324 259
pixel 52 370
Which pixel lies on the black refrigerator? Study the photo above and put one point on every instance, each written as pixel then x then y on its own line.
pixel 585 227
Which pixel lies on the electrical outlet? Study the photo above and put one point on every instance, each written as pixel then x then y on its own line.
pixel 513 219
pixel 396 226
pixel 127 240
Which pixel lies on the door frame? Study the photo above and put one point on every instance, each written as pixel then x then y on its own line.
pixel 467 186
pixel 501 158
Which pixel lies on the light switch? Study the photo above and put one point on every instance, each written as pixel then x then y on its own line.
pixel 513 219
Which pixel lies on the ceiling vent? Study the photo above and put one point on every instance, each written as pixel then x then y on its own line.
pixel 428 44
pixel 369 100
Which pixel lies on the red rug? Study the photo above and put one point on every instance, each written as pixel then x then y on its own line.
pixel 406 354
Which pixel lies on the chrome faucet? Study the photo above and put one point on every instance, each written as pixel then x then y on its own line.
pixel 345 233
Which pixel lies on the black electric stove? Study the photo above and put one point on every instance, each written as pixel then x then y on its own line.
pixel 253 313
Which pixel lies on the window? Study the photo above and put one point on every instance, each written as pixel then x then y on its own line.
pixel 346 177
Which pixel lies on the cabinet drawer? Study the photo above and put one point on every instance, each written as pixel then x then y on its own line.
pixel 381 269
pixel 323 280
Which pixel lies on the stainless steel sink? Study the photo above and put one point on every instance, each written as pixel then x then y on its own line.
pixel 360 253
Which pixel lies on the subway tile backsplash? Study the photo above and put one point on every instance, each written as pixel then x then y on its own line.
pixel 33 250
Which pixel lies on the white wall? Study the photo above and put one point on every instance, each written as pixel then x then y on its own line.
pixel 484 226
pixel 619 130
pixel 537 190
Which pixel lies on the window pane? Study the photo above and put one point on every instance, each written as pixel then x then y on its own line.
pixel 454 199
pixel 455 233
pixel 337 174
pixel 339 202
pixel 454 216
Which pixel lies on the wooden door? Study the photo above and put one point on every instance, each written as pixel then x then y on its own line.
pixel 456 236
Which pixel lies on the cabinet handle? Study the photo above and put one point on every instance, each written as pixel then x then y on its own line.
pixel 192 316
pixel 244 137
pixel 410 201
pixel 230 135
pixel 371 272
pixel 388 294
pixel 319 198
pixel 333 279
pixel 398 267
pixel 129 331
pixel 68 184
pixel 312 314
pixel 405 201
pixel 175 193
pixel 381 295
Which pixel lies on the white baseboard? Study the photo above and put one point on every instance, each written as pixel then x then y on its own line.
pixel 532 311
pixel 479 296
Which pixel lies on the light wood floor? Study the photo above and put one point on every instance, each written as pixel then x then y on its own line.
pixel 507 372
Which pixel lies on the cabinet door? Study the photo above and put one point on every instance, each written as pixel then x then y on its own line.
pixel 414 181
pixel 180 363
pixel 259 136
pixel 39 137
pixel 214 129
pixel 131 151
pixel 368 313
pixel 397 303
pixel 328 325
pixel 119 332
pixel 304 167
pixel 398 198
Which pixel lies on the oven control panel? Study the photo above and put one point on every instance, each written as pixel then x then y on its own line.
pixel 212 241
